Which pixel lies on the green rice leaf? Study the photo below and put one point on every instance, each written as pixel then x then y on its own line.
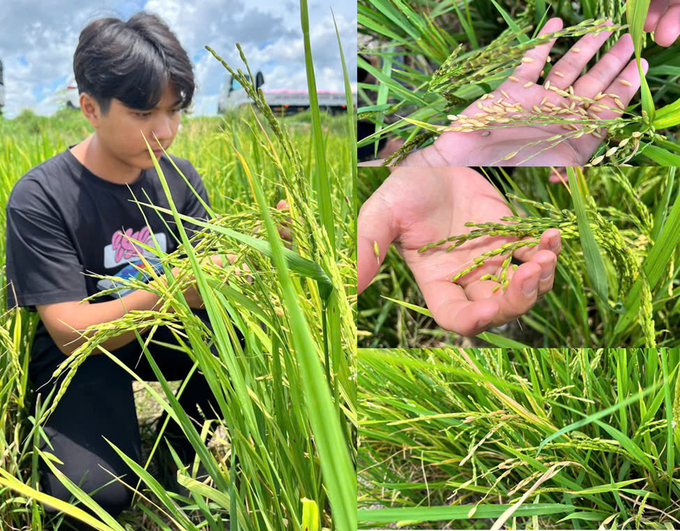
pixel 591 251
pixel 351 110
pixel 668 407
pixel 636 12
pixel 415 308
pixel 467 24
pixel 339 475
pixel 661 211
pixel 592 418
pixel 383 92
pixel 9 481
pixel 590 516
pixel 364 20
pixel 661 156
pixel 456 512
pixel 629 445
pixel 669 115
pixel 608 488
pixel 511 23
pixel 494 339
pixel 500 341
pixel 655 264
pixel 541 12
pixel 395 88
pixel 297 263
pixel 323 193
pixel 180 518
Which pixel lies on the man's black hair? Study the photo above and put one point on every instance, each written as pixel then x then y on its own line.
pixel 132 61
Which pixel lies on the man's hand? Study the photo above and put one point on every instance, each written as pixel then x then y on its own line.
pixel 191 293
pixel 663 18
pixel 613 74
pixel 284 228
pixel 413 208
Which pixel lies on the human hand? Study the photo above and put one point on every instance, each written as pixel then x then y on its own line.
pixel 413 208
pixel 558 175
pixel 190 292
pixel 663 18
pixel 612 74
pixel 284 228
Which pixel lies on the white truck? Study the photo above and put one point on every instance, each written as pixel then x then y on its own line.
pixel 72 96
pixel 281 101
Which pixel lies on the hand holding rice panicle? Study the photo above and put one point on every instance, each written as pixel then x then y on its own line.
pixel 474 284
pixel 541 118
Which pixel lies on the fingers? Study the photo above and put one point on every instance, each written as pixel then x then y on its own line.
pixel 624 87
pixel 453 311
pixel 575 60
pixel 376 230
pixel 519 297
pixel 558 175
pixel 548 261
pixel 656 9
pixel 600 76
pixel 551 240
pixel 668 28
pixel 534 60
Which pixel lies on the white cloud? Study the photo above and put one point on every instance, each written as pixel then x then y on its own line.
pixel 45 33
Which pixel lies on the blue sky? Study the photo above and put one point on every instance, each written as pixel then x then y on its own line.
pixel 38 39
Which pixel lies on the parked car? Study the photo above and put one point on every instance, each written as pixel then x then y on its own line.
pixel 281 101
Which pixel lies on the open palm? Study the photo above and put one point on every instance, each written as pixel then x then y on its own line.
pixel 663 18
pixel 413 208
pixel 613 74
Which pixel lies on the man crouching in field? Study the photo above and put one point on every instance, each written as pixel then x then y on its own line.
pixel 71 215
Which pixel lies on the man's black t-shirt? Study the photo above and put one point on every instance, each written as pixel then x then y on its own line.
pixel 64 222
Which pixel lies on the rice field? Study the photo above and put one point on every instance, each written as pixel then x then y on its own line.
pixel 519 438
pixel 615 283
pixel 440 70
pixel 296 309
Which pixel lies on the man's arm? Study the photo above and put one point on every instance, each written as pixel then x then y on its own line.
pixel 61 318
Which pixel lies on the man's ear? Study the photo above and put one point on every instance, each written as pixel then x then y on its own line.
pixel 90 109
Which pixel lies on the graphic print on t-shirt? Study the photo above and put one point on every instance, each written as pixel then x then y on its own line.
pixel 122 251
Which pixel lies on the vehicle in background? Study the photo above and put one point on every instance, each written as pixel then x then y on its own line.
pixel 72 96
pixel 2 90
pixel 281 101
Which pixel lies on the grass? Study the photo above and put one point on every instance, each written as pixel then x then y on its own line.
pixel 615 283
pixel 443 57
pixel 296 380
pixel 524 438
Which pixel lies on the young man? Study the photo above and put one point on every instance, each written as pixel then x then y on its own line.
pixel 69 216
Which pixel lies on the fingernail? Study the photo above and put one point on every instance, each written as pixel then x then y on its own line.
pixel 483 323
pixel 530 286
pixel 554 243
pixel 546 274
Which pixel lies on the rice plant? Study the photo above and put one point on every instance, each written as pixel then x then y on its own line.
pixel 519 438
pixel 437 60
pixel 296 379
pixel 615 283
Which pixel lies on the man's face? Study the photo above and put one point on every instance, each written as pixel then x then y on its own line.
pixel 121 129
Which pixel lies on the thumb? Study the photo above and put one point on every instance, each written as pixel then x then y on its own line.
pixel 376 230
